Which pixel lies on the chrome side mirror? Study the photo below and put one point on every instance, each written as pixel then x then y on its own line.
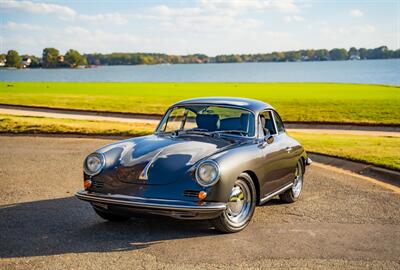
pixel 266 140
pixel 270 139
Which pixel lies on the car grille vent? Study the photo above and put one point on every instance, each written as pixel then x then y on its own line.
pixel 190 193
pixel 97 184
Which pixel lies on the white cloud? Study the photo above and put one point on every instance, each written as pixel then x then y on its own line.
pixel 239 6
pixel 202 19
pixel 21 26
pixel 37 7
pixel 367 28
pixel 349 31
pixel 356 13
pixel 63 12
pixel 165 11
pixel 294 18
pixel 106 18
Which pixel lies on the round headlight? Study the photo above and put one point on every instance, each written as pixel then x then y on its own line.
pixel 207 173
pixel 94 163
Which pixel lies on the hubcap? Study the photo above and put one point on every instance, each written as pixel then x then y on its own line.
pixel 298 181
pixel 239 204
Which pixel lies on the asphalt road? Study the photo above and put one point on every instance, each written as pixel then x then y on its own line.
pixel 341 221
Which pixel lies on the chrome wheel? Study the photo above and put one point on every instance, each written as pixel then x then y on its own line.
pixel 238 208
pixel 298 181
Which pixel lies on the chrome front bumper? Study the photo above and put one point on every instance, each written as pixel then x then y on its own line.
pixel 308 161
pixel 173 208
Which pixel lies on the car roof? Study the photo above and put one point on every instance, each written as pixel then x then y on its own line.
pixel 246 103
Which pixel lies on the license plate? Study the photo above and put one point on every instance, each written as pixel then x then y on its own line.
pixel 101 205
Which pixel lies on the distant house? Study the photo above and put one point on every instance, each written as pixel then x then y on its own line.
pixel 305 58
pixel 26 62
pixel 354 57
pixel 60 58
pixel 3 62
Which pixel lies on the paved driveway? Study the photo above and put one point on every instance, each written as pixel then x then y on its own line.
pixel 340 222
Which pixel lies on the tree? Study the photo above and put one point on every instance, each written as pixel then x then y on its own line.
pixel 338 54
pixel 321 55
pixel 363 53
pixel 310 54
pixel 50 56
pixel 293 56
pixel 353 51
pixel 13 59
pixel 35 61
pixel 74 59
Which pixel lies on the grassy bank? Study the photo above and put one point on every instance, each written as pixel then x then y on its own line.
pixel 380 151
pixel 43 125
pixel 304 102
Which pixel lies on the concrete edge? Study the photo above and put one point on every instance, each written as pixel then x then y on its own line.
pixel 388 176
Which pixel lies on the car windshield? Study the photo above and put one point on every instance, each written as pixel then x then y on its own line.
pixel 208 119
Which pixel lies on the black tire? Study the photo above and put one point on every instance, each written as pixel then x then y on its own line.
pixel 110 216
pixel 290 196
pixel 223 222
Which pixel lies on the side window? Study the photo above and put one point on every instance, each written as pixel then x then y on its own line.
pixel 279 123
pixel 266 124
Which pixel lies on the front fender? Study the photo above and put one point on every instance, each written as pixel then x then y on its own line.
pixel 232 163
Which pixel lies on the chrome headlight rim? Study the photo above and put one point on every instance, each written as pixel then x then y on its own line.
pixel 102 163
pixel 213 182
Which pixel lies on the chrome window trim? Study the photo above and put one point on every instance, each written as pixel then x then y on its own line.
pixel 261 132
pixel 276 127
pixel 208 104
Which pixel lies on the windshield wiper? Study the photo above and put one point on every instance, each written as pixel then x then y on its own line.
pixel 242 132
pixel 207 133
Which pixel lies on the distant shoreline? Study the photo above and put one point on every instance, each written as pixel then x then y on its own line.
pixel 211 63
pixel 52 58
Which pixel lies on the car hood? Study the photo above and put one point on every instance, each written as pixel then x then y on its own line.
pixel 158 159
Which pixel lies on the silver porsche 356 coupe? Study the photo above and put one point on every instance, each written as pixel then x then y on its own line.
pixel 209 158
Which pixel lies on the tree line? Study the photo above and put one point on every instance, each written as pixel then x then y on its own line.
pixel 51 57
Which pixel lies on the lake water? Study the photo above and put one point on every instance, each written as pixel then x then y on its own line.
pixel 369 72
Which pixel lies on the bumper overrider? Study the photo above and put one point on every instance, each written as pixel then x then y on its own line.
pixel 124 204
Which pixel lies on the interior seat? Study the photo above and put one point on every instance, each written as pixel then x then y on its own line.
pixel 207 121
pixel 235 123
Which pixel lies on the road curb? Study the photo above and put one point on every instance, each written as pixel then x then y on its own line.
pixel 382 174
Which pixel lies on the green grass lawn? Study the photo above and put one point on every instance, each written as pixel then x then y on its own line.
pixel 305 102
pixel 380 151
pixel 43 125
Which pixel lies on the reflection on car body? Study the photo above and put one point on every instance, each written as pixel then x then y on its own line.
pixel 209 158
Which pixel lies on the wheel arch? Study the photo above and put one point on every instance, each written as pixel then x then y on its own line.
pixel 303 163
pixel 256 182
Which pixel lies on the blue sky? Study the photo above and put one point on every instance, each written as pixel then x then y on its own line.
pixel 204 26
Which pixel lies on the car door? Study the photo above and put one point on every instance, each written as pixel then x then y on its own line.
pixel 287 156
pixel 277 167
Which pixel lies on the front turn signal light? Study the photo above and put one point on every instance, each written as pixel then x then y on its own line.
pixel 202 195
pixel 87 184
